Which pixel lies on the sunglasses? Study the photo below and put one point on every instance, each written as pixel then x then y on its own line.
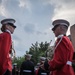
pixel 12 25
pixel 54 28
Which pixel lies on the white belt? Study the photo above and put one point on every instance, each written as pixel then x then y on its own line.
pixel 27 71
pixel 69 63
pixel 43 73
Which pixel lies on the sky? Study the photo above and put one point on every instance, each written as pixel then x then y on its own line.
pixel 34 20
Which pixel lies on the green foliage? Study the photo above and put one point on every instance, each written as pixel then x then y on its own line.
pixel 18 60
pixel 38 50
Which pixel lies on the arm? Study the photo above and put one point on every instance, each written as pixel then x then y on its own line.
pixel 60 56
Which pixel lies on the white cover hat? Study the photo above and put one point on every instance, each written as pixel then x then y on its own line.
pixel 8 21
pixel 58 22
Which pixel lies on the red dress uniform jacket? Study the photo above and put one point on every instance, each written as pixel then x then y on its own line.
pixel 5 44
pixel 63 53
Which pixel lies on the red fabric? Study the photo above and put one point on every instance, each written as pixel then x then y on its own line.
pixel 5 44
pixel 63 53
pixel 36 71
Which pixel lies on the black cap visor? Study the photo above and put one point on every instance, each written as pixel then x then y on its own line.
pixel 54 28
pixel 12 25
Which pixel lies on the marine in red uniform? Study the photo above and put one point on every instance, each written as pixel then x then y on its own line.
pixel 61 64
pixel 5 45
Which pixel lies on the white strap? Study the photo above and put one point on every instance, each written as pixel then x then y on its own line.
pixel 10 55
pixel 43 73
pixel 58 43
pixel 27 71
pixel 69 63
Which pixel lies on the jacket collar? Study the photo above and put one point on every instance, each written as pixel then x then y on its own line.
pixel 8 31
pixel 60 36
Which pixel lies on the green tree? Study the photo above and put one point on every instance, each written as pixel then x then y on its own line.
pixel 38 50
pixel 18 60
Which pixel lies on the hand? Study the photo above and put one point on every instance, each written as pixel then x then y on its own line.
pixel 42 66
